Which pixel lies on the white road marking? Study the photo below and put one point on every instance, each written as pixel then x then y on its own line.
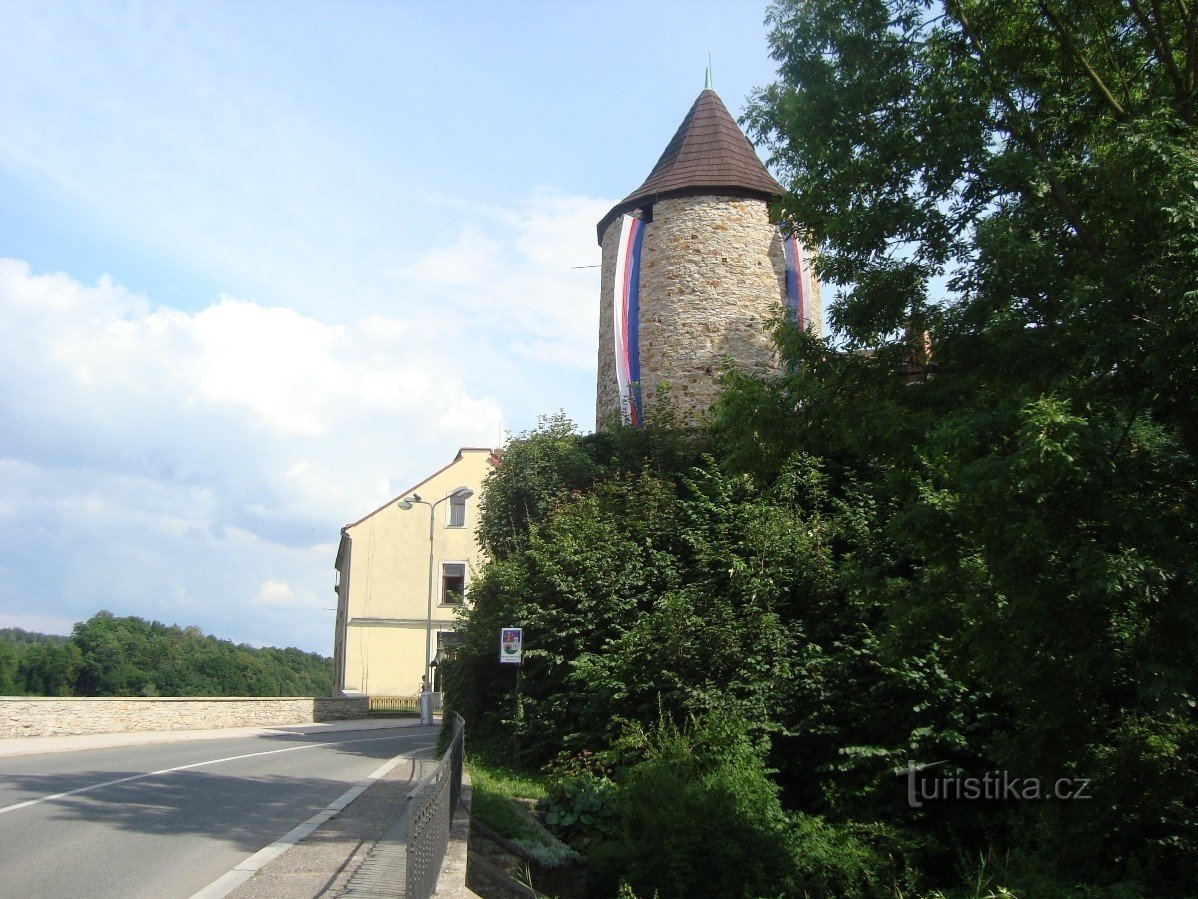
pixel 232 758
pixel 227 883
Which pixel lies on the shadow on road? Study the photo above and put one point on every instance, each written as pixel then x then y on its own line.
pixel 238 808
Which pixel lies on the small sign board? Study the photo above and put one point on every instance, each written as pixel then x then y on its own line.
pixel 511 642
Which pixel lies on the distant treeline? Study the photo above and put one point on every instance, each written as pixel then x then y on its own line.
pixel 110 656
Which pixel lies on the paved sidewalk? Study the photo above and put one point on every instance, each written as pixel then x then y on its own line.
pixel 12 746
pixel 360 852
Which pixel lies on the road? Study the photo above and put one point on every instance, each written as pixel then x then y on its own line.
pixel 121 822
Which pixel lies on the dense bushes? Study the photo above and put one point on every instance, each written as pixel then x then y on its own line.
pixel 837 618
pixel 720 832
pixel 109 656
pixel 965 534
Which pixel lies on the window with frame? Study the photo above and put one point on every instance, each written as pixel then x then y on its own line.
pixel 453 583
pixel 457 512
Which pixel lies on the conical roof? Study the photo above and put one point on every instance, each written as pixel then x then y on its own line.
pixel 708 154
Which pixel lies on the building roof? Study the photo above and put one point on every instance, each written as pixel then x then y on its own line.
pixel 493 457
pixel 708 154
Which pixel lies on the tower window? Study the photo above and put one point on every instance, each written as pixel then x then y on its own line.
pixel 646 213
pixel 453 583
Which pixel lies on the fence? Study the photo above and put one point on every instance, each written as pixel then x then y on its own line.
pixel 430 810
pixel 383 705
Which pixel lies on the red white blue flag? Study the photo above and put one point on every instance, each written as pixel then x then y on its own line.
pixel 626 308
pixel 798 281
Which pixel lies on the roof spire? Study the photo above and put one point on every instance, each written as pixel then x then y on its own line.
pixel 707 156
pixel 707 86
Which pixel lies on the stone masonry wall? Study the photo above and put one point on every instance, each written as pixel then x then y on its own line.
pixel 712 278
pixel 46 717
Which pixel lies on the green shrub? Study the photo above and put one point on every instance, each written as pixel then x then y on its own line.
pixel 698 816
pixel 581 809
pixel 493 791
pixel 851 860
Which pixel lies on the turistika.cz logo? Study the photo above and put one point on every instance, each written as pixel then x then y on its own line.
pixel 1001 786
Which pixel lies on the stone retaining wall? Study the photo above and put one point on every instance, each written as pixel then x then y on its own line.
pixel 22 716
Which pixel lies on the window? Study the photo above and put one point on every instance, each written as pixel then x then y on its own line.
pixel 453 583
pixel 457 512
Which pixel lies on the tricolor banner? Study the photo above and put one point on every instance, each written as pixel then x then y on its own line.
pixel 625 306
pixel 798 281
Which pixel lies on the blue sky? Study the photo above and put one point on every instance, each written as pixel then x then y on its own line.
pixel 263 265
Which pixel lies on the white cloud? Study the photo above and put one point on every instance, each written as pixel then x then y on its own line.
pixel 281 595
pixel 301 402
pixel 157 459
pixel 521 276
pixel 196 465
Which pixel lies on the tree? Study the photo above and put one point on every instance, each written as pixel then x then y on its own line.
pixel 10 684
pixel 50 669
pixel 1037 157
pixel 131 656
pixel 1020 179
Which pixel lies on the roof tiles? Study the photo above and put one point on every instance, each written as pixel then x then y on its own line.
pixel 707 154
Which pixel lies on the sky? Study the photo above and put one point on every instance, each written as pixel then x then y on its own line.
pixel 265 265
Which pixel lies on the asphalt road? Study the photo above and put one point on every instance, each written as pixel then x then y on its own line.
pixel 118 822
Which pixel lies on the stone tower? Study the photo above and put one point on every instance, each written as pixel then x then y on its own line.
pixel 711 274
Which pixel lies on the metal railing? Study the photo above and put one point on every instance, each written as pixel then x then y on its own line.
pixel 430 811
pixel 385 704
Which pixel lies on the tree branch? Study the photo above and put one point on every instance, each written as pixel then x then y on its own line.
pixel 1115 67
pixel 1070 46
pixel 1191 20
pixel 1024 133
pixel 1136 405
pixel 1162 52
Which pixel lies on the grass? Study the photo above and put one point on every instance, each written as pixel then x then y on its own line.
pixel 493 791
pixel 501 781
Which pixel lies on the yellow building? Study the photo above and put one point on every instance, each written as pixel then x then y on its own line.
pixel 403 572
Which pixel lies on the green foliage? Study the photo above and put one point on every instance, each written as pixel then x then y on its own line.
pixel 1019 179
pixel 1036 157
pixel 540 468
pixel 493 794
pixel 9 664
pixel 17 635
pixel 698 816
pixel 581 808
pixel 633 571
pixel 34 663
pixel 110 656
pixel 49 668
pixel 996 602
pixel 857 860
pixel 991 562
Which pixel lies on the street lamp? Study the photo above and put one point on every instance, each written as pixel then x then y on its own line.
pixel 407 503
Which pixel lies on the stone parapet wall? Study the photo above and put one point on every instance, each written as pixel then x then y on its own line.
pixel 22 716
pixel 712 280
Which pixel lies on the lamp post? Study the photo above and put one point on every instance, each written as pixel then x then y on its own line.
pixel 407 503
